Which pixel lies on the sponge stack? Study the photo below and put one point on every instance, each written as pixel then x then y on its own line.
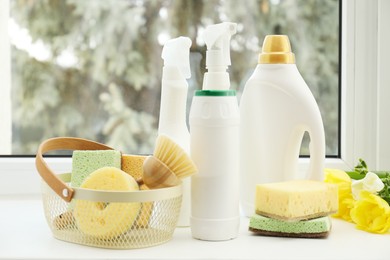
pixel 294 208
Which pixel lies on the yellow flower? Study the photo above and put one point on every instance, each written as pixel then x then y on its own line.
pixel 346 201
pixel 345 205
pixel 371 213
pixel 338 177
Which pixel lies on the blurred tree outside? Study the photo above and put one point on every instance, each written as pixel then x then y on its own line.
pixel 98 74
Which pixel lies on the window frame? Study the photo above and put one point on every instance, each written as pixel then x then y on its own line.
pixel 365 122
pixel 363 63
pixel 5 72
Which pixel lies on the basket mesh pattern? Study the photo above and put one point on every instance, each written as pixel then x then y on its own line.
pixel 152 223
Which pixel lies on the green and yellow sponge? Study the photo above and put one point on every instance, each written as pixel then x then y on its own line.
pixel 85 162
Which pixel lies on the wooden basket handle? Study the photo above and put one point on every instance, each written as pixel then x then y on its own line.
pixel 62 143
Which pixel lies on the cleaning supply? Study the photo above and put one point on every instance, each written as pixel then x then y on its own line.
pixel 214 126
pixel 87 161
pixel 172 121
pixel 297 208
pixel 276 109
pixel 296 200
pixel 133 165
pixel 313 228
pixel 107 221
pixel 168 165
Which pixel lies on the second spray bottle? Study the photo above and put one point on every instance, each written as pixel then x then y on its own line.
pixel 214 130
pixel 214 134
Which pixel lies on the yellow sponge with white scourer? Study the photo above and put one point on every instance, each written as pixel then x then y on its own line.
pixel 107 220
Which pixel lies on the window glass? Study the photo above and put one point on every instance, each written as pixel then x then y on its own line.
pixel 92 69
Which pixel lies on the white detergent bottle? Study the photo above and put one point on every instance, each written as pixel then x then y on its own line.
pixel 172 120
pixel 214 130
pixel 276 109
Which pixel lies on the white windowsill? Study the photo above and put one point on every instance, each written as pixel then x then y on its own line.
pixel 25 235
pixel 23 178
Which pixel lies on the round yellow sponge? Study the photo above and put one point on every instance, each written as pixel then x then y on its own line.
pixel 107 220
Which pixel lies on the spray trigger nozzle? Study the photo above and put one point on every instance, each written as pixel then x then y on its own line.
pixel 176 52
pixel 217 38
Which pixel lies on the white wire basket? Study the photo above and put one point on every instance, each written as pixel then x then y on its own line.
pixel 124 219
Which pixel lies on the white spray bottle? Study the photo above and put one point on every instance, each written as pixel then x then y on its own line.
pixel 277 108
pixel 172 120
pixel 214 130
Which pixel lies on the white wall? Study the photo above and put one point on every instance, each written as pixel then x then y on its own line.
pixel 383 135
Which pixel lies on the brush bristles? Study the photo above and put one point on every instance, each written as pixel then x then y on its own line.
pixel 174 157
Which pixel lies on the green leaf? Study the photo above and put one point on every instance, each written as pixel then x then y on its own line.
pixel 355 175
pixel 361 167
pixel 385 192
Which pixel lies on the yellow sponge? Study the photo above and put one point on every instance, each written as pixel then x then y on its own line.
pixel 296 200
pixel 133 165
pixel 107 220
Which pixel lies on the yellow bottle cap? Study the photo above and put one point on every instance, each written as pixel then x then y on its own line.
pixel 276 49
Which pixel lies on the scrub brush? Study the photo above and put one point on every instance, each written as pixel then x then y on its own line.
pixel 168 165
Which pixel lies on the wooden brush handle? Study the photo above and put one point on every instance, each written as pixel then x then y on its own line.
pixel 62 143
pixel 158 175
